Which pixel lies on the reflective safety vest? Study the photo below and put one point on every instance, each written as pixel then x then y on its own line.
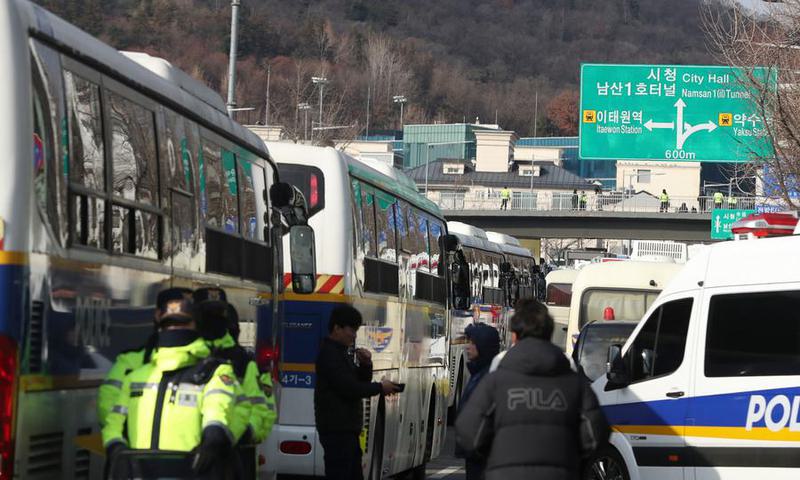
pixel 732 200
pixel 664 197
pixel 109 390
pixel 718 198
pixel 268 420
pixel 505 194
pixel 125 363
pixel 167 403
pixel 252 409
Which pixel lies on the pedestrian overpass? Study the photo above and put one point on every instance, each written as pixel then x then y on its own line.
pixel 532 224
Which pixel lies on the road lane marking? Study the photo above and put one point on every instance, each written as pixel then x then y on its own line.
pixel 445 472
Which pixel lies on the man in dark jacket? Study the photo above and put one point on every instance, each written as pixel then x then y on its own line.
pixel 342 383
pixel 534 416
pixel 484 344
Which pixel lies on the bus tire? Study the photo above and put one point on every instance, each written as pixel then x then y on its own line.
pixel 452 411
pixel 605 464
pixel 376 456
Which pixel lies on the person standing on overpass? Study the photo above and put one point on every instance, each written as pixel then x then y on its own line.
pixel 664 198
pixel 505 195
pixel 718 197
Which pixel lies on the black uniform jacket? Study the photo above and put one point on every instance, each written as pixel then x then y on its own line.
pixel 340 388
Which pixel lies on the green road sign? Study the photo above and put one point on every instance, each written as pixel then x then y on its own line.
pixel 669 112
pixel 723 219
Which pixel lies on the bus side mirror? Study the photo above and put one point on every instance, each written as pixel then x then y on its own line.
pixel 303 255
pixel 616 370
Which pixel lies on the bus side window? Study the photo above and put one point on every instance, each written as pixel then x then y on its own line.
pixel 386 230
pixel 421 248
pixel 87 162
pixel 437 258
pixel 179 149
pixel 51 127
pixel 368 228
pixel 134 172
pixel 251 181
pixel 220 188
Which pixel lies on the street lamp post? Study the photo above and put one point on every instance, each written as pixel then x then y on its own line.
pixel 232 56
pixel 321 81
pixel 401 99
pixel 304 107
pixel 428 154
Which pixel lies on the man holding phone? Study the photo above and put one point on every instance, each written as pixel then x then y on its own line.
pixel 343 380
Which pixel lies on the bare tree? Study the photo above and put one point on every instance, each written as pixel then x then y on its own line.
pixel 765 46
pixel 555 249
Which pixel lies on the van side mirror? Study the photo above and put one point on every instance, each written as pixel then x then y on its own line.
pixel 303 255
pixel 616 370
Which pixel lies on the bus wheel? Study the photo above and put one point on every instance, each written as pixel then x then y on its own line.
pixel 453 410
pixel 606 464
pixel 376 457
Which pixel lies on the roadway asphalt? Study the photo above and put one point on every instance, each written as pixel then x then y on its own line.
pixel 447 466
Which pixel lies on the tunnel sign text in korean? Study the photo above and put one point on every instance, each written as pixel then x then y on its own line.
pixel 670 112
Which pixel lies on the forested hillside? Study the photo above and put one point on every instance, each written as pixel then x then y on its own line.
pixel 453 59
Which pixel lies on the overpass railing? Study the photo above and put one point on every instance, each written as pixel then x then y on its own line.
pixel 611 202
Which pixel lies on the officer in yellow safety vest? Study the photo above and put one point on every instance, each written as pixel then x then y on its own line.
pixel 130 360
pixel 718 197
pixel 664 198
pixel 255 414
pixel 732 201
pixel 183 400
pixel 505 196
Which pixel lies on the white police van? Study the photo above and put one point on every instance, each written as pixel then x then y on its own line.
pixel 708 385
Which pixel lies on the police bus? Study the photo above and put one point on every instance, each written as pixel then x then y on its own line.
pixel 121 176
pixel 379 249
pixel 499 273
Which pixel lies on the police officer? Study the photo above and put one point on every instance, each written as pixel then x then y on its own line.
pixel 718 196
pixel 181 401
pixel 664 198
pixel 505 196
pixel 128 361
pixel 254 414
pixel 732 202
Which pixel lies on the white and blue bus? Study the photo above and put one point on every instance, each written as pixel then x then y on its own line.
pixel 499 273
pixel 379 249
pixel 121 176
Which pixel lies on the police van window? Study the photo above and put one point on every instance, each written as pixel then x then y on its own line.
pixel 659 347
pixel 133 136
pixel 753 334
pixel 386 229
pixel 310 181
